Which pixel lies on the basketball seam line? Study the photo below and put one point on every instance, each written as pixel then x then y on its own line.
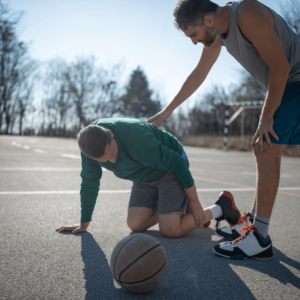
pixel 148 277
pixel 121 273
pixel 114 275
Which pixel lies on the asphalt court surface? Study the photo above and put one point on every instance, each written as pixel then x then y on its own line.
pixel 39 191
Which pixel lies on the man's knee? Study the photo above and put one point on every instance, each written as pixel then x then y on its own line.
pixel 135 226
pixel 170 231
pixel 267 153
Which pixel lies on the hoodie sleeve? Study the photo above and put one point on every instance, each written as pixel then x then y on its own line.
pixel 91 174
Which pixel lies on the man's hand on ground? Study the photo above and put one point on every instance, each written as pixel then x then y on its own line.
pixel 196 210
pixel 159 117
pixel 265 127
pixel 74 228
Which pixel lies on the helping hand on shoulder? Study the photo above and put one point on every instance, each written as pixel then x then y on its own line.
pixel 157 119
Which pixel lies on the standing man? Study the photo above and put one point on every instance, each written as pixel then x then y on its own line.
pixel 262 42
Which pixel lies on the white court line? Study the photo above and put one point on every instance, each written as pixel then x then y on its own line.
pixel 16 144
pixel 194 169
pixel 128 191
pixel 202 159
pixel 71 156
pixel 39 151
pixel 45 169
pixel 40 169
pixel 26 147
pixel 60 192
pixel 254 174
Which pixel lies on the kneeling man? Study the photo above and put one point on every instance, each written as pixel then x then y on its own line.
pixel 163 188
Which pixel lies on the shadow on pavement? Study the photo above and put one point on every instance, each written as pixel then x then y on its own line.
pixel 276 268
pixel 99 281
pixel 193 270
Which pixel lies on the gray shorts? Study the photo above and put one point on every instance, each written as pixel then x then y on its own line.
pixel 166 194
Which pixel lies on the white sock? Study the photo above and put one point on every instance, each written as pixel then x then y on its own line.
pixel 253 210
pixel 216 211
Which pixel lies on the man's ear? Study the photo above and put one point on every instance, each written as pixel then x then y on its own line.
pixel 208 21
pixel 110 133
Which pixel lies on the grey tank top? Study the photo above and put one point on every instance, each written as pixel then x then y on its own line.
pixel 247 55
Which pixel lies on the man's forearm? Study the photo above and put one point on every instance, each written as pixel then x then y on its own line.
pixel 196 78
pixel 191 84
pixel 192 194
pixel 277 85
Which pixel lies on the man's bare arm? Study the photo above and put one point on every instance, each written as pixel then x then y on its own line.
pixel 255 24
pixel 192 83
pixel 195 207
pixel 196 78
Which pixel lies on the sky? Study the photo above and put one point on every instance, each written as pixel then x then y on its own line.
pixel 135 32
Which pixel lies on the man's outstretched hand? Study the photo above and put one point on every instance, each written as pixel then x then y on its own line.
pixel 157 119
pixel 74 228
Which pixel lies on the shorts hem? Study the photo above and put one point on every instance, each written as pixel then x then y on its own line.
pixel 141 207
pixel 179 212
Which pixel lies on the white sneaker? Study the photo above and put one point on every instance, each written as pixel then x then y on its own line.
pixel 250 245
pixel 232 232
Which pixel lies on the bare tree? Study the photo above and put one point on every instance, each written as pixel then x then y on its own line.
pixel 108 91
pixel 57 98
pixel 15 69
pixel 82 77
pixel 291 13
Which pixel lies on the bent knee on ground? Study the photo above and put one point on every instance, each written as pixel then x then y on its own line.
pixel 136 226
pixel 170 230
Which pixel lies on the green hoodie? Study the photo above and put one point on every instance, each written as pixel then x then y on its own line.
pixel 146 153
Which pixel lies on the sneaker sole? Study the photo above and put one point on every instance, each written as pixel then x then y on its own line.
pixel 223 237
pixel 241 257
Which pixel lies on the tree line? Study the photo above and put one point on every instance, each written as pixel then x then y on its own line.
pixel 73 94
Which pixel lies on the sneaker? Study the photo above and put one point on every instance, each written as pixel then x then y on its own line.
pixel 230 212
pixel 231 233
pixel 250 245
pixel 206 224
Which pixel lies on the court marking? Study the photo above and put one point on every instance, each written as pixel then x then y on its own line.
pixel 45 169
pixel 254 174
pixel 250 189
pixel 39 151
pixel 40 169
pixel 71 156
pixel 246 186
pixel 203 160
pixel 223 182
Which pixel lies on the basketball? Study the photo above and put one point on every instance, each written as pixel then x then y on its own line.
pixel 139 263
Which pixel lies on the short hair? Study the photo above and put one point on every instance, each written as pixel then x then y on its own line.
pixel 192 12
pixel 92 141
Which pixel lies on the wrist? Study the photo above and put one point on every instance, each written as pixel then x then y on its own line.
pixel 169 108
pixel 84 225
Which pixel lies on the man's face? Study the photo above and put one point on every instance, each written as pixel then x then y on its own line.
pixel 201 34
pixel 111 152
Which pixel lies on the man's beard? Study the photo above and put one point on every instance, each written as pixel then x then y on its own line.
pixel 209 37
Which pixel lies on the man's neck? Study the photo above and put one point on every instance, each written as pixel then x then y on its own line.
pixel 222 21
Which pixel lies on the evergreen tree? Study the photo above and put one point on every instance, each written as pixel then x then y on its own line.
pixel 138 102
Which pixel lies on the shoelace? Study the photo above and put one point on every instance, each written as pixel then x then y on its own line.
pixel 247 230
pixel 243 218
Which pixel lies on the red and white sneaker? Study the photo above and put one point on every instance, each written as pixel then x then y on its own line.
pixel 250 245
pixel 230 212
pixel 232 232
